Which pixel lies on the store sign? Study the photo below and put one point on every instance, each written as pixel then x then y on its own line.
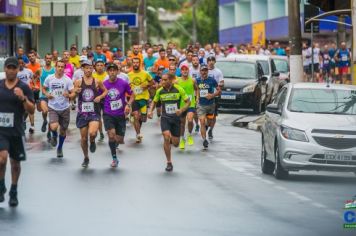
pixel 31 13
pixel 11 7
pixel 112 21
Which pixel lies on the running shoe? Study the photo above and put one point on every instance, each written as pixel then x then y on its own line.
pixel 205 144
pixel 210 134
pixel 114 163
pixel 54 141
pixel 190 140
pixel 59 153
pixel 44 126
pixel 2 193
pixel 139 138
pixel 13 202
pixel 182 144
pixel 31 130
pixel 101 138
pixel 197 128
pixel 85 163
pixel 169 167
pixel 92 147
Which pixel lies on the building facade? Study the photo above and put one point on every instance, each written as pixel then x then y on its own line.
pixel 253 21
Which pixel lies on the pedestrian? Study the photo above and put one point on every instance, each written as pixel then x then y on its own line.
pixel 74 58
pixel 115 109
pixel 59 89
pixel 208 90
pixel 170 96
pixel 33 65
pixel 35 86
pixel 140 81
pixel 343 58
pixel 16 98
pixel 90 92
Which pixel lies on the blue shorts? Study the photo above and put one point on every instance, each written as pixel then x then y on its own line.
pixel 190 109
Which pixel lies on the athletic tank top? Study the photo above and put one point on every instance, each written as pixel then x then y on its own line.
pixel 86 104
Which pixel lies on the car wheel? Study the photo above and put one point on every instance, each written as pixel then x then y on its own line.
pixel 257 107
pixel 279 172
pixel 267 166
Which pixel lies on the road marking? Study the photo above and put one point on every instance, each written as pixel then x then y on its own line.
pixel 299 196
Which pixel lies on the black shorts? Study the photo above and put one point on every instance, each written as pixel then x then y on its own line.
pixel 216 106
pixel 316 67
pixel 115 122
pixel 172 125
pixel 83 121
pixel 15 145
pixel 44 99
pixel 36 96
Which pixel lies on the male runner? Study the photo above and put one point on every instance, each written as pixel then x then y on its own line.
pixel 190 87
pixel 115 109
pixel 140 81
pixel 16 99
pixel 194 72
pixel 90 92
pixel 170 96
pixel 208 90
pixel 59 89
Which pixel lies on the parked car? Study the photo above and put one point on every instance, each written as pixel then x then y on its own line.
pixel 310 127
pixel 2 73
pixel 244 84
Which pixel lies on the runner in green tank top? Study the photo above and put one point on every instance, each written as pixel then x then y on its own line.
pixel 190 87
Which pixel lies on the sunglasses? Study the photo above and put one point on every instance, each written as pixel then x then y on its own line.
pixel 171 59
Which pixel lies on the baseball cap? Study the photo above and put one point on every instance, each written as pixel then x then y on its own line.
pixel 86 62
pixel 211 58
pixel 83 58
pixel 99 60
pixel 11 61
pixel 184 66
pixel 112 65
pixel 161 68
pixel 203 67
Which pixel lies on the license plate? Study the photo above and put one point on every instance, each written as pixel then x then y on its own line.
pixel 228 96
pixel 338 156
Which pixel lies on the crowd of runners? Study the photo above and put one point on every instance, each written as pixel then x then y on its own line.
pixel 107 90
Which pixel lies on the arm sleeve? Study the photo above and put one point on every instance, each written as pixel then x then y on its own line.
pixel 157 97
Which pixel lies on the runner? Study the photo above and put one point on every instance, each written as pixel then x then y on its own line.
pixel 206 101
pixel 33 65
pixel 170 95
pixel 45 72
pixel 140 81
pixel 88 116
pixel 190 87
pixel 74 58
pixel 79 73
pixel 161 61
pixel 343 57
pixel 24 74
pixel 217 75
pixel 59 89
pixel 115 109
pixel 99 75
pixel 194 72
pixel 35 86
pixel 16 99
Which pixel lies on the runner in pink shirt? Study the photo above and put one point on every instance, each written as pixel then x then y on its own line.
pixel 69 68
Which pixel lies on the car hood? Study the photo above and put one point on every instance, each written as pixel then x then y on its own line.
pixel 238 83
pixel 309 121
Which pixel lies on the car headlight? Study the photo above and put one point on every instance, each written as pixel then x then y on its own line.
pixel 294 134
pixel 249 88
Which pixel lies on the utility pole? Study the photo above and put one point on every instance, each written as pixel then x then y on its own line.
pixel 65 26
pixel 52 28
pixel 194 16
pixel 341 31
pixel 295 36
pixel 141 21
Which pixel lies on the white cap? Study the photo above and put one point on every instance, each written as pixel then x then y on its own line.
pixel 83 58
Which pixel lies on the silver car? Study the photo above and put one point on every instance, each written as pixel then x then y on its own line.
pixel 310 127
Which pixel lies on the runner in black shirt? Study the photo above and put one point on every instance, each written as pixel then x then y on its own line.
pixel 16 99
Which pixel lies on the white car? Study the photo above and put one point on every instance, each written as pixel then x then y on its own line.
pixel 310 127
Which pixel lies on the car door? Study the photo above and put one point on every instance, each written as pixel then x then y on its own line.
pixel 274 120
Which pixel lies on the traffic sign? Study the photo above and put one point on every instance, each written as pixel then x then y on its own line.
pixel 309 12
pixel 112 20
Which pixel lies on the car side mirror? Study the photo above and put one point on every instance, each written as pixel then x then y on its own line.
pixel 274 108
pixel 276 74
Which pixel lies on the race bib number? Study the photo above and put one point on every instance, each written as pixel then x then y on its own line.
pixel 57 92
pixel 344 58
pixel 138 90
pixel 190 98
pixel 204 93
pixel 87 107
pixel 116 105
pixel 171 108
pixel 7 120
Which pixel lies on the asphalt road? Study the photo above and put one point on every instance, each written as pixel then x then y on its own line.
pixel 216 192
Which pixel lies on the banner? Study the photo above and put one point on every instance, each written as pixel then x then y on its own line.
pixel 259 33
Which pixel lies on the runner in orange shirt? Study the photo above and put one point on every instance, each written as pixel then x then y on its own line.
pixel 35 86
pixel 107 52
pixel 161 61
pixel 33 65
pixel 136 54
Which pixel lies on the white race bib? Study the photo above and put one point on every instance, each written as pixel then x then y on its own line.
pixel 344 58
pixel 57 92
pixel 190 98
pixel 88 107
pixel 204 92
pixel 116 105
pixel 6 120
pixel 138 90
pixel 171 108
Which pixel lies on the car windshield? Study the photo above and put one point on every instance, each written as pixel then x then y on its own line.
pixel 238 70
pixel 265 67
pixel 323 101
pixel 281 65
